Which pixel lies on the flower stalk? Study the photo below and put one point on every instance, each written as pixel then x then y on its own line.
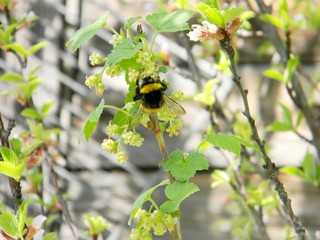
pixel 154 127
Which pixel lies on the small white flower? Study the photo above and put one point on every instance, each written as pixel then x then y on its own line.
pixel 202 32
pixel 211 28
pixel 196 34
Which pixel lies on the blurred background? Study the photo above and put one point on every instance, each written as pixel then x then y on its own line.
pixel 93 181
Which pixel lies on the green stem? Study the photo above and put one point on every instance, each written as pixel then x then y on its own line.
pixel 116 108
pixel 153 40
pixel 155 128
pixel 154 204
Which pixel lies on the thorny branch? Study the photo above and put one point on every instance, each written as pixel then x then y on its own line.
pixel 269 166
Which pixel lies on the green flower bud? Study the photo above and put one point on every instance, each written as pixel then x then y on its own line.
pixel 132 138
pixel 159 228
pixel 113 129
pixel 121 157
pixel 114 70
pixel 116 39
pixel 174 127
pixel 110 146
pixel 95 59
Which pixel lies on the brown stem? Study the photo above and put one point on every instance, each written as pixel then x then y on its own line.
pixel 269 166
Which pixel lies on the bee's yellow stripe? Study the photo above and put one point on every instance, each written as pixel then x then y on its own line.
pixel 149 110
pixel 150 88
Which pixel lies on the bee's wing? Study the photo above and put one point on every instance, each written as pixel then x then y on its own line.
pixel 175 107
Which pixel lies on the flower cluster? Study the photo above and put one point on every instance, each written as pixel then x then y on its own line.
pixel 145 60
pixel 157 221
pixel 95 81
pixel 114 70
pixel 133 74
pixel 174 127
pixel 132 138
pixel 95 59
pixel 205 31
pixel 208 31
pixel 177 95
pixel 116 39
pixel 112 146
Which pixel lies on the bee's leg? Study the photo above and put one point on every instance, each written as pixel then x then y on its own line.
pixel 164 86
pixel 137 96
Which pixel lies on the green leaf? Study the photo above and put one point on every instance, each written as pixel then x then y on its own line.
pixel 279 126
pixel 31 113
pixel 26 89
pixel 183 168
pixel 36 48
pixel 91 122
pixel 45 109
pixel 283 13
pixel 22 214
pixel 246 15
pixel 9 169
pixel 287 115
pixel 213 15
pixel 16 146
pixel 9 155
pixel 9 224
pixel 170 22
pixel 12 77
pixel 228 142
pixel 17 48
pixel 131 21
pixel 2 207
pixel 299 119
pixel 146 196
pixel 177 192
pixel 212 3
pixel 273 74
pixel 219 177
pixel 124 50
pixel 6 36
pixel 291 68
pixel 86 33
pixel 206 97
pixel 271 19
pixel 292 171
pixel 121 118
pixel 31 146
pixel 310 167
pixel 50 236
pixel 231 14
pixel 96 224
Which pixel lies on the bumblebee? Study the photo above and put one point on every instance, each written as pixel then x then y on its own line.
pixel 151 93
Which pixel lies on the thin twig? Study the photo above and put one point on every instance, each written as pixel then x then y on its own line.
pixel 240 190
pixel 269 166
pixel 63 203
pixel 296 91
